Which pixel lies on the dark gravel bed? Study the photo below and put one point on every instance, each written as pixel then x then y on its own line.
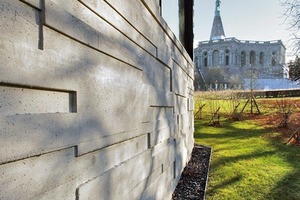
pixel 192 184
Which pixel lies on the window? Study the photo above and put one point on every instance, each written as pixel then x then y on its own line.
pixel 216 58
pixel 261 58
pixel 273 62
pixel 227 57
pixel 205 59
pixel 252 58
pixel 243 58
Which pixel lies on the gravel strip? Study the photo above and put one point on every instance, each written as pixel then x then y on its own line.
pixel 192 184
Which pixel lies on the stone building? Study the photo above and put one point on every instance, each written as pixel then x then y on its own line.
pixel 222 63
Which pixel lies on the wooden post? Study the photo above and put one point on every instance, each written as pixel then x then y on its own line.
pixel 212 120
pixel 252 101
pixel 235 115
pixel 199 111
pixel 295 136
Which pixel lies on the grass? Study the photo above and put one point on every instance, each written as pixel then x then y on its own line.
pixel 247 161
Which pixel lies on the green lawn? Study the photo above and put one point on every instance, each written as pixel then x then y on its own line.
pixel 247 163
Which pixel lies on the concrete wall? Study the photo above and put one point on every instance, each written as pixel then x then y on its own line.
pixel 96 100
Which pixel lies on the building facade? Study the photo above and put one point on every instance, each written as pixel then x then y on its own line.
pixel 96 101
pixel 231 60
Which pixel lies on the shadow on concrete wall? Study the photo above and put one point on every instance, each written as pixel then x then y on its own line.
pixel 53 138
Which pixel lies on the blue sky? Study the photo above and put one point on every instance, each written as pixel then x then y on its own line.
pixel 260 20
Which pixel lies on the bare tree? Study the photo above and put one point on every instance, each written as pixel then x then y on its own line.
pixel 292 18
pixel 294 69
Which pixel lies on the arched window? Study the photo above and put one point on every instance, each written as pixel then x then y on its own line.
pixel 261 58
pixel 227 57
pixel 243 58
pixel 216 58
pixel 273 59
pixel 205 59
pixel 252 58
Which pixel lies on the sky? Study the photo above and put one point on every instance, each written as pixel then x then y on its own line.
pixel 258 20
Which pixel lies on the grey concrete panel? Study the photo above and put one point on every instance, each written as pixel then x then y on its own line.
pixel 159 188
pixel 106 81
pixel 25 135
pixel 101 162
pixel 153 7
pixel 180 84
pixel 162 99
pixel 158 78
pixel 16 100
pixel 31 171
pixel 137 14
pixel 35 3
pixel 141 170
pixel 28 135
pixel 68 132
pixel 29 178
pixel 160 163
pixel 162 113
pixel 59 19
pixel 185 120
pixel 190 72
pixel 83 25
pixel 163 134
pixel 164 123
pixel 16 21
pixel 161 78
pixel 105 11
pixel 118 153
pixel 65 191
pixel 114 184
pixel 182 63
pixel 166 157
pixel 20 62
pixel 182 105
pixel 144 21
pixel 137 192
pixel 93 144
pixel 190 104
pixel 182 150
pixel 161 146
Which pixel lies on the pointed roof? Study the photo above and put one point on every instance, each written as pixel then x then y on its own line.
pixel 217 31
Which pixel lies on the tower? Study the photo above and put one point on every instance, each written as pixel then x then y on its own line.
pixel 217 31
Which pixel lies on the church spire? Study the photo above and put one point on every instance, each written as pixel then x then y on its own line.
pixel 217 10
pixel 217 31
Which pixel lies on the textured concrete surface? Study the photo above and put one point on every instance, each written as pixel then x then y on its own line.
pixel 96 101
